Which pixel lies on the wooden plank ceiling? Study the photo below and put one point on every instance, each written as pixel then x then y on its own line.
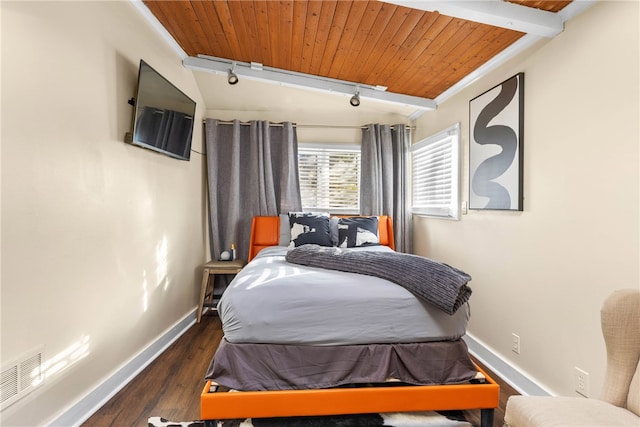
pixel 409 51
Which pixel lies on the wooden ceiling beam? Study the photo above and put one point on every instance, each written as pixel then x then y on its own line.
pixel 497 13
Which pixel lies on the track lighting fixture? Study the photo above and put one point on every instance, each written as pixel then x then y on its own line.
pixel 355 99
pixel 232 78
pixel 344 88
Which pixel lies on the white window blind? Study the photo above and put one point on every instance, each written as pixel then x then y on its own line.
pixel 329 178
pixel 435 174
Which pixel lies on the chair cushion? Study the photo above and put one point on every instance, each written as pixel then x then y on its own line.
pixel 538 411
pixel 633 401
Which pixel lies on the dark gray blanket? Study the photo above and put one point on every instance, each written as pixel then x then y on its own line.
pixel 437 283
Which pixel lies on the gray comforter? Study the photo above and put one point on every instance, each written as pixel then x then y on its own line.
pixel 435 282
pixel 272 301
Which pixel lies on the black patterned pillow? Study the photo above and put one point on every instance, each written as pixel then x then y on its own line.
pixel 308 228
pixel 358 231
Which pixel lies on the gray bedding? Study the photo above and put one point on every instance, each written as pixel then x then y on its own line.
pixel 272 301
pixel 437 283
pixel 291 367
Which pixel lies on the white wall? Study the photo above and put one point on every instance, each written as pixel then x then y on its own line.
pixel 544 273
pixel 101 241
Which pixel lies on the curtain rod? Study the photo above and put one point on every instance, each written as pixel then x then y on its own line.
pixel 222 122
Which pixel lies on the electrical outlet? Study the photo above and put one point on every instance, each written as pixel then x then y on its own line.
pixel 515 343
pixel 581 381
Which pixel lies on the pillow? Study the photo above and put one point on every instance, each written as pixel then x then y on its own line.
pixel 285 227
pixel 309 228
pixel 333 230
pixel 285 230
pixel 358 231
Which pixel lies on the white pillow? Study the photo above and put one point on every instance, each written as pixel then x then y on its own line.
pixel 285 230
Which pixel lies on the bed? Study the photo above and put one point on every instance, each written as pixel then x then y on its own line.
pixel 281 356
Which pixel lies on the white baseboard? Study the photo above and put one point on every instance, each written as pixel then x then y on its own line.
pixel 514 377
pixel 94 400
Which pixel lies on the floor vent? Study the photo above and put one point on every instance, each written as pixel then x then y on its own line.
pixel 21 377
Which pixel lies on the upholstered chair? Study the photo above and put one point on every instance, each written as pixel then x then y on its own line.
pixel 619 404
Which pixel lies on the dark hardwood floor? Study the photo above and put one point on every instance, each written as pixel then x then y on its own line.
pixel 170 387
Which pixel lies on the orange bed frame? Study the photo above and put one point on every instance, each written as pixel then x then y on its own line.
pixel 220 405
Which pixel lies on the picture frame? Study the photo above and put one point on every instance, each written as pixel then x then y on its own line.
pixel 496 130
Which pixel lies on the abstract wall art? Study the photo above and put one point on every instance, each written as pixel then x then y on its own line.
pixel 496 128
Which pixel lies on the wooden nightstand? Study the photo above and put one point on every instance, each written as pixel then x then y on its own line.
pixel 209 270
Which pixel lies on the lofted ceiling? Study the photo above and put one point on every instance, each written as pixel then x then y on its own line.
pixel 419 52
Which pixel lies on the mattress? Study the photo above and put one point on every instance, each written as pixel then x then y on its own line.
pixel 274 302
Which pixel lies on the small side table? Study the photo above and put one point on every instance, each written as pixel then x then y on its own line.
pixel 209 270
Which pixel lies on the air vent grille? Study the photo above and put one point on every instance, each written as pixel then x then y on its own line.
pixel 9 383
pixel 31 371
pixel 21 377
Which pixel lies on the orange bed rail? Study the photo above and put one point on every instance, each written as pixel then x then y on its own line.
pixel 337 401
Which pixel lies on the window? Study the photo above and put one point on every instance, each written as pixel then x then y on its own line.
pixel 435 171
pixel 329 178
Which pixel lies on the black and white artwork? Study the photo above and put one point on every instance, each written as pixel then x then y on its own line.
pixel 496 127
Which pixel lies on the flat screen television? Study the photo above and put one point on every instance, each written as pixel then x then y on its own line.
pixel 163 116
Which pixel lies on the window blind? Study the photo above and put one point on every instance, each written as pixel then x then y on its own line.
pixel 329 178
pixel 435 174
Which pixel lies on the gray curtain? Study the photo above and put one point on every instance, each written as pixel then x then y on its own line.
pixel 252 170
pixel 384 186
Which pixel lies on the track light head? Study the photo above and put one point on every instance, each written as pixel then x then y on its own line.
pixel 355 100
pixel 232 78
